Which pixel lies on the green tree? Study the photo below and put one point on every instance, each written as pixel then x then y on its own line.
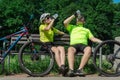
pixel 116 20
pixel 101 15
pixel 14 13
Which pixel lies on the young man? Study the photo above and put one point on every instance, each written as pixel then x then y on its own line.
pixel 78 42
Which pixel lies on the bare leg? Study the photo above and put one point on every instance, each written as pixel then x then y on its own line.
pixel 62 54
pixel 57 55
pixel 71 54
pixel 86 56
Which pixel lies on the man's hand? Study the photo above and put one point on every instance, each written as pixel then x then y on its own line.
pixel 77 14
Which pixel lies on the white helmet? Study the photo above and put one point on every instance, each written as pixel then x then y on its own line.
pixel 43 16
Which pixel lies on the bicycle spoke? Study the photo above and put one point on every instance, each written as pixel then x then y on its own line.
pixel 35 62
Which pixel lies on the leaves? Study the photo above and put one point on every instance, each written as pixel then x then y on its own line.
pixel 101 15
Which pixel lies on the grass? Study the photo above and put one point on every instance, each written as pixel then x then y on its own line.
pixel 14 65
pixel 15 68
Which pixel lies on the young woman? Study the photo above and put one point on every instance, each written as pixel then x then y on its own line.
pixel 47 32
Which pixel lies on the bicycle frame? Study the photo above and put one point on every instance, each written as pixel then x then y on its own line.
pixel 116 54
pixel 22 32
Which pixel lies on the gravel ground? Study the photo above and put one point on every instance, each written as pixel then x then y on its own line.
pixel 57 77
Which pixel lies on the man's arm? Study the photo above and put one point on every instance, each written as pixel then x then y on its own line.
pixel 68 20
pixel 93 39
pixel 77 14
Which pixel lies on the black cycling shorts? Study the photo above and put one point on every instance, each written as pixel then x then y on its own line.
pixel 46 45
pixel 79 47
pixel 49 44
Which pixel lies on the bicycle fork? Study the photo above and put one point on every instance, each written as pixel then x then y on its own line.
pixel 34 56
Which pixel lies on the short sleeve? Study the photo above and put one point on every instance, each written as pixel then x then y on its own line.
pixel 41 27
pixel 90 35
pixel 69 27
pixel 55 30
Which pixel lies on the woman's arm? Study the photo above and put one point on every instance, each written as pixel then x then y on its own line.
pixel 61 33
pixel 48 27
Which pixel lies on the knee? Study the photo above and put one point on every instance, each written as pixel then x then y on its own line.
pixel 88 49
pixel 61 48
pixel 55 50
pixel 71 50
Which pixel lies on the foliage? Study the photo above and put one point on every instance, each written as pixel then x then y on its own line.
pixel 101 15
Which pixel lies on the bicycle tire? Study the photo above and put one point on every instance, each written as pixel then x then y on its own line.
pixel 109 59
pixel 39 66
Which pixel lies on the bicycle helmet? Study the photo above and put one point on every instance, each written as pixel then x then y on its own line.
pixel 43 16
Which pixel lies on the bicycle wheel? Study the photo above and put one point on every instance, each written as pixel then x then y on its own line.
pixel 34 61
pixel 106 58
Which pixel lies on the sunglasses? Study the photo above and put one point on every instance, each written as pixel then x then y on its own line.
pixel 47 17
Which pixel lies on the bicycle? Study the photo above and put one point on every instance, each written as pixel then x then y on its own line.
pixel 32 60
pixel 110 59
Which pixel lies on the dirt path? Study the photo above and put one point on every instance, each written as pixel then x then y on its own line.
pixel 50 75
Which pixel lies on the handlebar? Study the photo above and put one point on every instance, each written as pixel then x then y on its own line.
pixel 31 16
pixel 29 22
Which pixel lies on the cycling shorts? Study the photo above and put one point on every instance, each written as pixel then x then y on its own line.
pixel 79 47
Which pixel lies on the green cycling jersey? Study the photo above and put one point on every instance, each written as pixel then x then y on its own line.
pixel 79 34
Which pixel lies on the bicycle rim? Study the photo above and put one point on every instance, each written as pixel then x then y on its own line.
pixel 108 63
pixel 35 63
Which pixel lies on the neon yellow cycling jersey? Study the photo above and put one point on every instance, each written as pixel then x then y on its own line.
pixel 79 34
pixel 47 36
